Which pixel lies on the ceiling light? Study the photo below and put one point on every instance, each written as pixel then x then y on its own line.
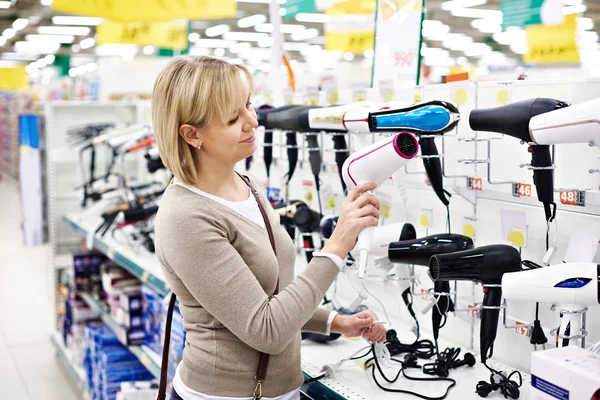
pixel 127 51
pixel 265 42
pixel 282 12
pixel 485 23
pixel 457 42
pixel 72 73
pixel 75 48
pixel 148 50
pixel 252 21
pixel 198 51
pixel 427 23
pixel 5 4
pixel 290 46
pixel 87 43
pixel 2 41
pixel 477 50
pixel 49 59
pixel 572 2
pixel 192 37
pixel 369 53
pixel 509 36
pixel 574 9
pixel 519 48
pixel 219 52
pixel 37 47
pixel 462 61
pixel 436 32
pixel 265 28
pixel 212 43
pixel 449 5
pixel 306 34
pixel 64 30
pixel 80 70
pixel 50 38
pixel 588 36
pixel 237 48
pixel 20 23
pixel 91 67
pixel 348 56
pixel 311 17
pixel 289 28
pixel 69 20
pixel 216 30
pixel 585 24
pixel 19 56
pixel 476 13
pixel 46 2
pixel 244 36
pixel 9 33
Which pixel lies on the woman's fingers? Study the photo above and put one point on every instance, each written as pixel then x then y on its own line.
pixel 367 198
pixel 357 190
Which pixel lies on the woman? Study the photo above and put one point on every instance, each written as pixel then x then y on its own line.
pixel 214 248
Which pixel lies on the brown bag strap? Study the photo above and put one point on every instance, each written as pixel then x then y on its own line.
pixel 263 362
pixel 164 366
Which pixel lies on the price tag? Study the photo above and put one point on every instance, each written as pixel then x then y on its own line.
pixel 312 96
pixel 145 276
pixel 522 330
pixel 331 90
pixel 473 311
pixel 469 227
pixel 524 190
pixel 385 201
pixel 309 194
pixel 475 183
pixel 426 217
pixel 418 95
pixel 425 295
pixel 503 92
pixel 359 92
pixel 514 226
pixel 459 92
pixel 573 198
pixel 386 90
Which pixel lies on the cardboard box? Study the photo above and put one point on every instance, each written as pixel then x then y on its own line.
pixel 566 373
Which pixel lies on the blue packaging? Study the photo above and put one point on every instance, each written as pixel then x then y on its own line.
pixel 152 314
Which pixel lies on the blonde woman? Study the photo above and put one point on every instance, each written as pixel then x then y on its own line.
pixel 215 248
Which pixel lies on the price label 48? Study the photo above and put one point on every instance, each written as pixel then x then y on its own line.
pixel 573 198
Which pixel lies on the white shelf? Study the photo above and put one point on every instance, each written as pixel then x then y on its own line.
pixel 75 372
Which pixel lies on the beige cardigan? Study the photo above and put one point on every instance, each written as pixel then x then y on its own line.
pixel 222 268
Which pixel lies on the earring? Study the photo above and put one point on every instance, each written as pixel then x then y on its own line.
pixel 199 146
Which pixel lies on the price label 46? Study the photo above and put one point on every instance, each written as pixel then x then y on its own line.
pixel 524 190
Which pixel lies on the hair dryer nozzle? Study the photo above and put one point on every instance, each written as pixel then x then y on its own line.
pixel 406 145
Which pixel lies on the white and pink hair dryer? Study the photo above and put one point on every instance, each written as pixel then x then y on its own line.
pixel 374 164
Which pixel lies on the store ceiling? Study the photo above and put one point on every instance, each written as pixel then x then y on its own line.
pixel 33 10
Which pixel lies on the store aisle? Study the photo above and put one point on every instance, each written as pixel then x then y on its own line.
pixel 29 368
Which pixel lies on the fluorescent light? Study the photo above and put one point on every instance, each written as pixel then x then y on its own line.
pixel 2 41
pixel 72 73
pixel 449 5
pixel 265 28
pixel 284 28
pixel 282 12
pixel 46 2
pixel 457 42
pixel 50 38
pixel 9 33
pixel 117 50
pixel 11 64
pixel 64 30
pixel 509 36
pixel 290 46
pixel 37 47
pixel 20 23
pixel 5 4
pixel 311 17
pixel 588 36
pixel 198 51
pixel 435 32
pixel 519 48
pixel 19 56
pixel 87 43
pixel 348 56
pixel 428 23
pixel 193 37
pixel 244 36
pixel 252 21
pixel 212 43
pixel 49 59
pixel 75 48
pixel 585 24
pixel 69 20
pixel 265 42
pixel 369 53
pixel 216 30
pixel 476 13
pixel 477 50
pixel 574 9
pixel 91 67
pixel 219 52
pixel 306 34
pixel 237 48
pixel 484 23
pixel 148 50
pixel 572 2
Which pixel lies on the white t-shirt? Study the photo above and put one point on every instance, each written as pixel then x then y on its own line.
pixel 249 209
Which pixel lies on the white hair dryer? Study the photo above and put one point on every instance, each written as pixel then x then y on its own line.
pixel 571 286
pixel 375 164
pixel 384 235
pixel 575 124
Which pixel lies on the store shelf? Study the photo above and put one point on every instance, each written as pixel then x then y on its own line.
pixel 147 357
pixel 143 266
pixel 76 373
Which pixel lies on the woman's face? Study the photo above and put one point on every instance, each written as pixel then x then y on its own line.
pixel 233 141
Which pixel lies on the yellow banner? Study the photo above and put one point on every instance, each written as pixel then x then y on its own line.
pixel 354 7
pixel 353 42
pixel 13 78
pixel 149 10
pixel 165 35
pixel 553 44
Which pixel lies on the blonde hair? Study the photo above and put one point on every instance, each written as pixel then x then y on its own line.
pixel 195 91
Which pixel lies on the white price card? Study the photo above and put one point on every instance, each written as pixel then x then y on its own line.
pixel 470 227
pixel 426 217
pixel 514 227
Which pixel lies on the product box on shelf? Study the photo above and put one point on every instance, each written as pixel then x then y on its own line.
pixel 152 314
pixel 114 278
pixel 86 272
pixel 565 373
pixel 138 391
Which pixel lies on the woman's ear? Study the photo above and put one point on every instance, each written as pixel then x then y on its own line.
pixel 191 135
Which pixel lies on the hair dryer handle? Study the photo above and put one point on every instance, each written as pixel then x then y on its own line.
pixel 314 154
pixel 489 321
pixel 339 144
pixel 442 307
pixel 543 178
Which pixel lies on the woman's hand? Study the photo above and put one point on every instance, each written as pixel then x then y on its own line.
pixel 359 210
pixel 354 325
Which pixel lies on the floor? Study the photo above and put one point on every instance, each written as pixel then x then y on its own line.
pixel 29 368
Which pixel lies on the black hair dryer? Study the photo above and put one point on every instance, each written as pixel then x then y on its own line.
pixel 486 265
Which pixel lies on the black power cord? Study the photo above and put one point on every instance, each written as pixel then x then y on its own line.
pixel 447 360
pixel 499 381
pixel 424 349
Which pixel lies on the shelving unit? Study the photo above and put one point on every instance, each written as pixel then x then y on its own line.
pixel 351 382
pixel 75 372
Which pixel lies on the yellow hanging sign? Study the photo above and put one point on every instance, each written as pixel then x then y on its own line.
pixel 149 10
pixel 165 35
pixel 354 42
pixel 13 78
pixel 553 44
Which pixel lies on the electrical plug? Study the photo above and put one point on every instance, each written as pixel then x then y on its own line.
pixel 382 353
pixel 330 369
pixel 538 336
